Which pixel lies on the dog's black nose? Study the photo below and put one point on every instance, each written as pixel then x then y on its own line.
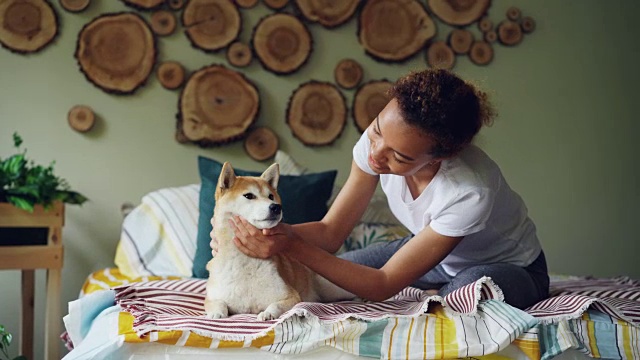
pixel 275 208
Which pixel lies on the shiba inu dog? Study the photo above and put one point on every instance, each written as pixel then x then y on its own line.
pixel 241 284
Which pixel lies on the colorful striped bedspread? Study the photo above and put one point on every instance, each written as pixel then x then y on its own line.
pixel 598 317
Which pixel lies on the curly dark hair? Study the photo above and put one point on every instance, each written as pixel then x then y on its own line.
pixel 445 107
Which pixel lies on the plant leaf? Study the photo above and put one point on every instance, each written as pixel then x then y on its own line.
pixel 21 203
pixel 71 197
pixel 17 140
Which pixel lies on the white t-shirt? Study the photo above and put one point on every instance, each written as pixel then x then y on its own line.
pixel 467 197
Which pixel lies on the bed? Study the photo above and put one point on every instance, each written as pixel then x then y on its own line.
pixel 150 304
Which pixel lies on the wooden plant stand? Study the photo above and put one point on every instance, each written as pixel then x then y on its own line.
pixel 20 253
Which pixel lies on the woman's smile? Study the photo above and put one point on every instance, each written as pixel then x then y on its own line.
pixel 374 165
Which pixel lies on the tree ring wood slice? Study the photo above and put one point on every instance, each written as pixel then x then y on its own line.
pixel 481 53
pixel 348 73
pixel 246 4
pixel 116 52
pixel 81 118
pixel 144 4
pixel 528 24
pixel 276 4
pixel 239 54
pixel 329 13
pixel 27 26
pixel 163 22
pixel 261 144
pixel 485 24
pixel 211 24
pixel 509 33
pixel 282 43
pixel 391 30
pixel 171 74
pixel 175 4
pixel 491 36
pixel 460 41
pixel 513 13
pixel 369 100
pixel 75 6
pixel 317 113
pixel 459 12
pixel 217 106
pixel 440 56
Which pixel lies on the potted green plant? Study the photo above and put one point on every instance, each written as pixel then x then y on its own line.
pixel 5 341
pixel 26 185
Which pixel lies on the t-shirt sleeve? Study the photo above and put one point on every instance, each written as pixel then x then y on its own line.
pixel 361 154
pixel 466 215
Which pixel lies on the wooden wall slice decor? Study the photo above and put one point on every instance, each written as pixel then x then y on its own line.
pixel 460 40
pixel 459 12
pixel 440 56
pixel 27 26
pixel 163 22
pixel 329 13
pixel 282 43
pixel 239 54
pixel 348 73
pixel 528 24
pixel 211 25
pixel 75 6
pixel 217 106
pixel 391 30
pixel 369 100
pixel 261 144
pixel 116 52
pixel 171 74
pixel 144 4
pixel 316 113
pixel 81 118
pixel 509 33
pixel 481 53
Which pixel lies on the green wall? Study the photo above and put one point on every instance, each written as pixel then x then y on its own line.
pixel 565 135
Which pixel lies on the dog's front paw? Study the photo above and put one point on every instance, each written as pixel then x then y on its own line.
pixel 216 309
pixel 217 315
pixel 267 315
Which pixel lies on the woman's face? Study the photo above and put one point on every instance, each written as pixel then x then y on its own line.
pixel 397 147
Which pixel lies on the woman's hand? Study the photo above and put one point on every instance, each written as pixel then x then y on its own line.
pixel 258 243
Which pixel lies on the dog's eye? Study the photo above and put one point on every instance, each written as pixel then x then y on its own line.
pixel 249 196
pixel 271 197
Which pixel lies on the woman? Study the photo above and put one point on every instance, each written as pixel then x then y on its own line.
pixel 467 222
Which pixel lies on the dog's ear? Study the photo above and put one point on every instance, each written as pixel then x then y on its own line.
pixel 272 175
pixel 227 177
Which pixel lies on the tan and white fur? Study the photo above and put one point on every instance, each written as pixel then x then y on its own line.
pixel 239 284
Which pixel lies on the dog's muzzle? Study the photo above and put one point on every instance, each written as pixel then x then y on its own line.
pixel 275 209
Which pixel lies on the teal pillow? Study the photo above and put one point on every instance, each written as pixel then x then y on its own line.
pixel 304 198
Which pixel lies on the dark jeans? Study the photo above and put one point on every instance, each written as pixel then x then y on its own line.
pixel 521 286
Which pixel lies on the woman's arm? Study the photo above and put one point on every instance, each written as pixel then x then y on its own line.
pixel 421 254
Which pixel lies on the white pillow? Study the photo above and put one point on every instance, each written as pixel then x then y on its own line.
pixel 159 235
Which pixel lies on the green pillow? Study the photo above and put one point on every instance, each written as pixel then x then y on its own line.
pixel 304 198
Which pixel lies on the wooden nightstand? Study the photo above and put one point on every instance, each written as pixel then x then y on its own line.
pixel 30 241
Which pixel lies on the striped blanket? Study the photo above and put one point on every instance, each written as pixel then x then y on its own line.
pixel 473 322
pixel 167 305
